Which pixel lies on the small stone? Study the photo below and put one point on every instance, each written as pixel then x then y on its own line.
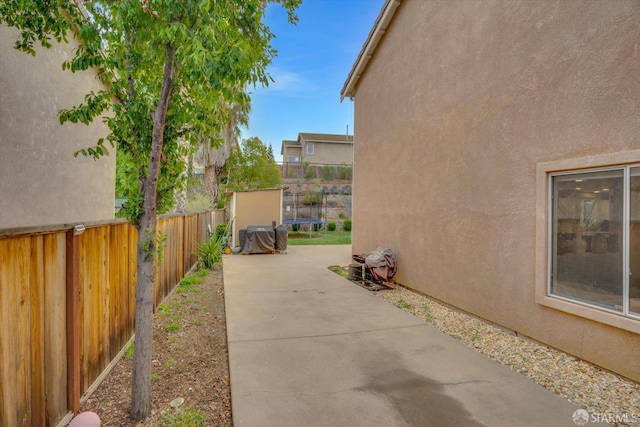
pixel 177 402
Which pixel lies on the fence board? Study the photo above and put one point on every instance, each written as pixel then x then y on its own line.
pixel 16 354
pixel 105 288
pixel 133 279
pixel 36 329
pixel 22 330
pixel 34 272
pixel 8 337
pixel 85 307
pixel 55 354
pixel 115 240
pixel 94 297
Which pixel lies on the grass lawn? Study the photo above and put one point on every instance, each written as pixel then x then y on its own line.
pixel 319 238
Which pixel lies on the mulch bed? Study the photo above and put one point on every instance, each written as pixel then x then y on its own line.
pixel 190 361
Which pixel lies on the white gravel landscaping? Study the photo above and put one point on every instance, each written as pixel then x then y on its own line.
pixel 588 386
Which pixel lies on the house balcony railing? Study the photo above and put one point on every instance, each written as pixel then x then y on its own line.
pixel 312 171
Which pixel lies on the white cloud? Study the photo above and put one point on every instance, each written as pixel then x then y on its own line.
pixel 285 83
pixel 284 80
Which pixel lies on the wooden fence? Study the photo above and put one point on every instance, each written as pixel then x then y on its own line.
pixel 67 303
pixel 311 171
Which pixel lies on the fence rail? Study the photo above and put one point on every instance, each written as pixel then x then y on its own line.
pixel 67 304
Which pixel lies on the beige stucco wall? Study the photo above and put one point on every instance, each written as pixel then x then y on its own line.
pixel 329 153
pixel 460 103
pixel 40 180
pixel 290 151
pixel 257 207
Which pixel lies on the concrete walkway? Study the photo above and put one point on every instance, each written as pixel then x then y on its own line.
pixel 309 348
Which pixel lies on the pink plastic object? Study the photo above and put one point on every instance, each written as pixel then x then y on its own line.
pixel 86 419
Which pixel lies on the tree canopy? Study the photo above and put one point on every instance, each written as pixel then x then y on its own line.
pixel 250 167
pixel 168 67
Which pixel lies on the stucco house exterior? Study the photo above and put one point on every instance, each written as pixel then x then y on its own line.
pixel 319 149
pixel 41 182
pixel 510 133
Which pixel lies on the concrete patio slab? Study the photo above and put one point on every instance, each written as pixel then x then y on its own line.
pixel 309 348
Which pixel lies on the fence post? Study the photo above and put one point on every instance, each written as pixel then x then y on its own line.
pixel 73 328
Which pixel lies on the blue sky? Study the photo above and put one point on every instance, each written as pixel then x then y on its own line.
pixel 314 59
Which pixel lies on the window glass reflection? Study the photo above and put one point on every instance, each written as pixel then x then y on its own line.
pixel 634 241
pixel 587 237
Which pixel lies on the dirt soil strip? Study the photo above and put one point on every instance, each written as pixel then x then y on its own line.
pixel 190 360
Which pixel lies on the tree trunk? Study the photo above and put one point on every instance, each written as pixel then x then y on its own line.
pixel 212 175
pixel 145 285
pixel 180 199
pixel 218 174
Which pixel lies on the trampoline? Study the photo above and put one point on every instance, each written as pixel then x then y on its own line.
pixel 305 208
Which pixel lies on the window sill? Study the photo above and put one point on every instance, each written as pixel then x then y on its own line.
pixel 616 320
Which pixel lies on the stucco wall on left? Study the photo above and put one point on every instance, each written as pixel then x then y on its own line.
pixel 41 182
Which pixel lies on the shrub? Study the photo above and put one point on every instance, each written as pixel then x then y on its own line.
pixel 210 252
pixel 344 171
pixel 222 230
pixel 329 172
pixel 197 202
pixel 346 225
pixel 307 170
pixel 221 202
pixel 295 227
pixel 331 226
pixel 341 215
pixel 310 199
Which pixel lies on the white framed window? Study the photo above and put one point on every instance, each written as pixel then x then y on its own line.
pixel 293 159
pixel 595 238
pixel 588 238
pixel 310 147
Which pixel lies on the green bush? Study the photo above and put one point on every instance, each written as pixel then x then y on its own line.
pixel 344 171
pixel 295 227
pixel 221 202
pixel 222 230
pixel 341 215
pixel 307 170
pixel 346 225
pixel 210 252
pixel 331 226
pixel 310 199
pixel 197 202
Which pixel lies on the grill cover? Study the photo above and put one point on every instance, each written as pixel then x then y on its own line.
pixel 281 237
pixel 258 240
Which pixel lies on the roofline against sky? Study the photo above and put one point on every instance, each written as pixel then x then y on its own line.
pixel 375 35
pixel 309 138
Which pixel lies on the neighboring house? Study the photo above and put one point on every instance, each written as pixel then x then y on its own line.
pixel 291 151
pixel 319 149
pixel 41 182
pixel 501 163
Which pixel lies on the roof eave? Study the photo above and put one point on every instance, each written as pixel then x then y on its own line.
pixel 366 53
